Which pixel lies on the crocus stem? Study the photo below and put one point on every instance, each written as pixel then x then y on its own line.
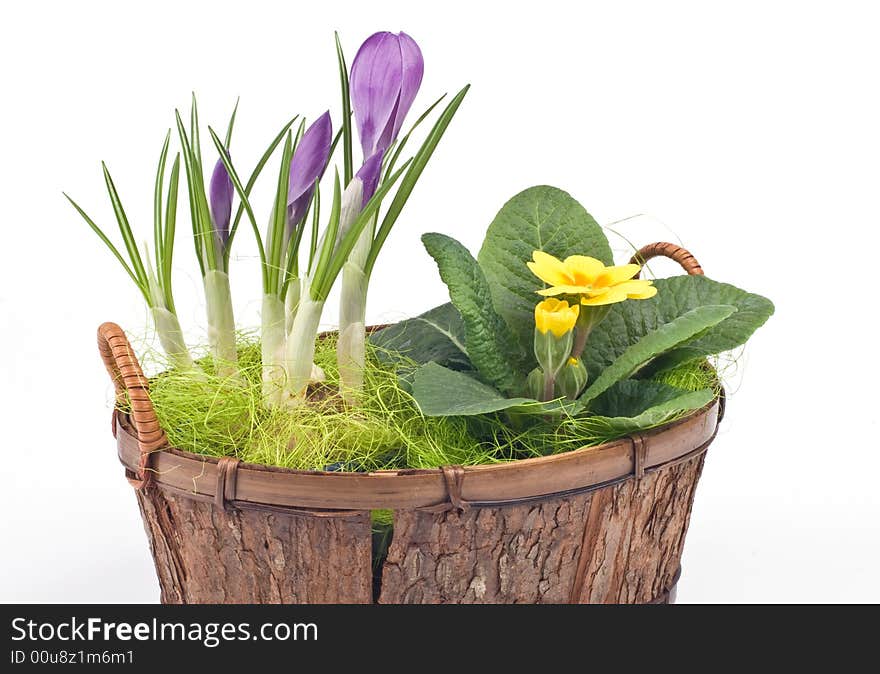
pixel 352 332
pixel 221 322
pixel 272 342
pixel 299 352
pixel 350 349
pixel 171 338
pixel 291 302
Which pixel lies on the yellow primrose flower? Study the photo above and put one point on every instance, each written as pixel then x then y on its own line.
pixel 555 316
pixel 590 278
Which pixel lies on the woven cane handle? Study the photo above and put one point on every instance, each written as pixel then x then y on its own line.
pixel 661 249
pixel 128 378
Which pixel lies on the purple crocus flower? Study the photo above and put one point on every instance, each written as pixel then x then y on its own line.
pixel 307 166
pixel 369 175
pixel 220 198
pixel 385 77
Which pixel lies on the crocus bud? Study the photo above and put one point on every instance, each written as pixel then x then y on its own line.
pixel 220 203
pixel 554 322
pixel 306 167
pixel 369 176
pixel 385 77
pixel 572 379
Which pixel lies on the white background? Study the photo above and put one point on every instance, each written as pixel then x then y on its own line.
pixel 748 131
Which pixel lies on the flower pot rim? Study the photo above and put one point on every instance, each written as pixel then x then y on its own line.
pixel 260 486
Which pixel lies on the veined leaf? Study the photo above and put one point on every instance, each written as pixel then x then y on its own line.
pixel 442 392
pixel 654 343
pixel 627 322
pixel 539 218
pixel 635 405
pixel 436 336
pixel 490 345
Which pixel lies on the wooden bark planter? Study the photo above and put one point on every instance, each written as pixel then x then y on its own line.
pixel 598 525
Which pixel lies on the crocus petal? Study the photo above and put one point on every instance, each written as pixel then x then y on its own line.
pixel 307 166
pixel 369 176
pixel 220 201
pixel 413 69
pixel 375 85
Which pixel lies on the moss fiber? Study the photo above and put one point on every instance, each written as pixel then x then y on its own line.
pixel 217 416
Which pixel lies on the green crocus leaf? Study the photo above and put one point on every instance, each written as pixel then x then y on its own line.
pixel 436 336
pixel 628 322
pixel 636 405
pixel 490 345
pixel 654 343
pixel 539 218
pixel 442 392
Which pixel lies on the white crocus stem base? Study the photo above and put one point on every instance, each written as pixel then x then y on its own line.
pixel 350 349
pixel 221 322
pixel 291 302
pixel 171 338
pixel 299 354
pixel 272 339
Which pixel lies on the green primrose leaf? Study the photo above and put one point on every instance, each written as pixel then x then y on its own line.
pixel 490 345
pixel 539 218
pixel 658 341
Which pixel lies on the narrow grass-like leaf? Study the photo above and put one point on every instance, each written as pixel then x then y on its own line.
pixel 231 124
pixel 654 343
pixel 416 166
pixel 316 218
pixel 243 196
pixel 329 241
pixel 194 130
pixel 170 225
pixel 252 181
pixel 125 228
pixel 348 164
pixel 348 241
pixel 194 214
pixel 275 240
pixel 389 167
pixel 296 240
pixel 157 202
pixel 97 230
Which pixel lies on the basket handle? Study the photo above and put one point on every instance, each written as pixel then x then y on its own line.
pixel 676 253
pixel 129 380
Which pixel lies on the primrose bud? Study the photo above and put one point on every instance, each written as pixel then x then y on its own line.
pixel 535 383
pixel 572 379
pixel 554 322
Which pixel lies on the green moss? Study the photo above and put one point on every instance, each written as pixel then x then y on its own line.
pixel 209 414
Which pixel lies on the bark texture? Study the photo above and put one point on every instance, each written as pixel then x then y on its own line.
pixel 206 555
pixel 620 544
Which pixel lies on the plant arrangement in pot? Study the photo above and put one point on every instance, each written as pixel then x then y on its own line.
pixel 536 439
